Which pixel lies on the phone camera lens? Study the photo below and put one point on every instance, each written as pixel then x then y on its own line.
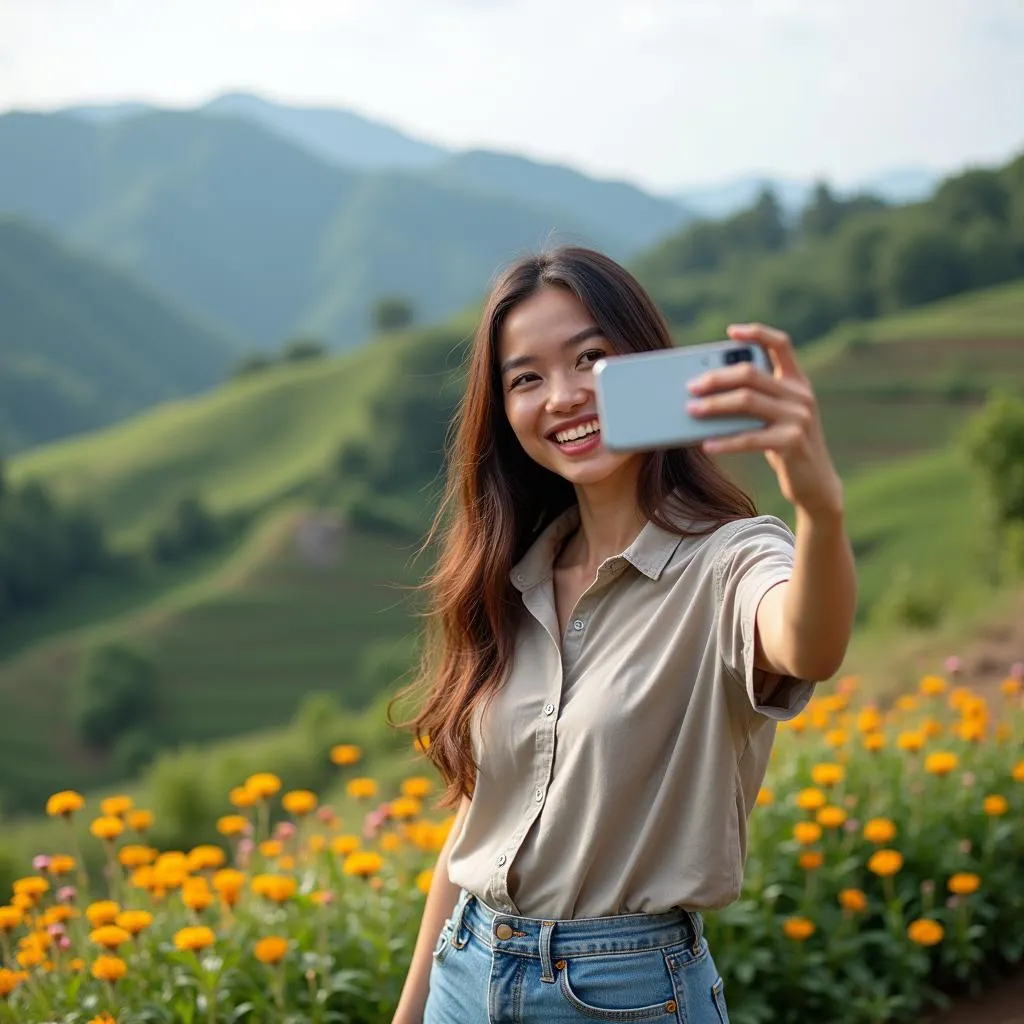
pixel 738 355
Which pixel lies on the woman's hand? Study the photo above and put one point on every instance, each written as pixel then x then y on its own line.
pixel 792 439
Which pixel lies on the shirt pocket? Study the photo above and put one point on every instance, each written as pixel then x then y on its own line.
pixel 619 987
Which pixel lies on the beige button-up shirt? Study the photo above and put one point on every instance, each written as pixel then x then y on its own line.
pixel 618 763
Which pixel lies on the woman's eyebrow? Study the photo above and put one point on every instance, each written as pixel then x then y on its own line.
pixel 588 332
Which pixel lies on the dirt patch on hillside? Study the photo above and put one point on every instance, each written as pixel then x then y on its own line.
pixel 1003 1003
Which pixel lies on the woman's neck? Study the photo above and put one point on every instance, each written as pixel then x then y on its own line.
pixel 610 519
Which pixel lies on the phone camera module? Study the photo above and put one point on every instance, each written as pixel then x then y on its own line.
pixel 738 355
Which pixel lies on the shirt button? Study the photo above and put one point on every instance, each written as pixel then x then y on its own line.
pixel 502 859
pixel 538 794
pixel 577 624
pixel 549 709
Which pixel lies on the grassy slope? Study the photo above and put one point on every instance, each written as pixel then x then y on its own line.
pixel 239 639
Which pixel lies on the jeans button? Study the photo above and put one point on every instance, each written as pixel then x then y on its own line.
pixel 503 931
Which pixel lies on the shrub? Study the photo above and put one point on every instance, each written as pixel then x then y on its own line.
pixel 114 691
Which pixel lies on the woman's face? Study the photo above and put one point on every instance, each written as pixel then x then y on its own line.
pixel 546 353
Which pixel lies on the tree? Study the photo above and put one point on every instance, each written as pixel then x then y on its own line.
pixel 923 264
pixel 822 214
pixel 759 229
pixel 255 362
pixel 299 349
pixel 976 195
pixel 392 313
pixel 114 692
pixel 994 440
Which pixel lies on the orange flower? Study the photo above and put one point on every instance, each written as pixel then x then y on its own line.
pixel 837 738
pixel 798 928
pixel 873 741
pixel 363 864
pixel 10 918
pixel 276 888
pixel 10 980
pixel 107 828
pixel 765 797
pixel 102 912
pixel 925 932
pixel 109 968
pixel 827 774
pixel 136 856
pixel 229 884
pixel 1010 687
pixel 32 886
pixel 910 740
pixel 404 808
pixel 110 936
pixel 134 921
pixel 271 848
pixel 139 821
pixel 345 754
pixel 196 895
pixel 342 846
pixel 64 804
pixel 194 938
pixel 811 860
pixel 879 831
pixel 423 880
pixel 995 806
pixel 831 817
pixel 933 686
pixel 885 862
pixel 853 900
pixel 810 799
pixel 241 797
pixel 941 762
pixel 232 825
pixel 963 883
pixel 205 858
pixel 806 832
pixel 61 864
pixel 417 787
pixel 263 785
pixel 299 802
pixel 361 789
pixel 1018 772
pixel 271 950
pixel 116 806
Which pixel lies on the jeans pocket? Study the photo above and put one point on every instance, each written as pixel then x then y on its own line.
pixel 718 998
pixel 632 987
pixel 443 943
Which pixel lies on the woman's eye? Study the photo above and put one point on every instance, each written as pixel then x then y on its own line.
pixel 593 354
pixel 523 378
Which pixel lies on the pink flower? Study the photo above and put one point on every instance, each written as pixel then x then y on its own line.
pixel 64 941
pixel 56 929
pixel 40 862
pixel 851 825
pixel 243 852
pixel 325 814
pixel 284 830
pixel 66 894
pixel 1017 670
pixel 953 664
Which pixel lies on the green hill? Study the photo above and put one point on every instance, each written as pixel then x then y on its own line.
pixel 308 601
pixel 82 344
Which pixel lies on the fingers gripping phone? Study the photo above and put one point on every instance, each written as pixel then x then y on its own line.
pixel 641 397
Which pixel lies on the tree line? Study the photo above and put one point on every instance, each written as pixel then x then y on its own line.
pixel 841 259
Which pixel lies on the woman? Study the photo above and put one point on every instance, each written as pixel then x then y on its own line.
pixel 614 637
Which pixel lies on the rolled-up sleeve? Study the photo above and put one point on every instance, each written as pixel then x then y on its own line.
pixel 756 555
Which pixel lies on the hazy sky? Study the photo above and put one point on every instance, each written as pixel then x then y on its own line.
pixel 664 92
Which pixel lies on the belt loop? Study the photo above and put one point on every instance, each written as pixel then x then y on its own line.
pixel 697 923
pixel 460 908
pixel 546 970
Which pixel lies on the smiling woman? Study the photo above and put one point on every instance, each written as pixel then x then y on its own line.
pixel 612 634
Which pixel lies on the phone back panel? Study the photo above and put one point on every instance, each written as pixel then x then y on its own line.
pixel 641 398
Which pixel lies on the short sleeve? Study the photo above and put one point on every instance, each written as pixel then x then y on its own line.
pixel 756 555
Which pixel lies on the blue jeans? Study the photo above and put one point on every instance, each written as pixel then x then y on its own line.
pixel 492 968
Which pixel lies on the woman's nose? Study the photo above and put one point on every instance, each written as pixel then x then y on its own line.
pixel 566 394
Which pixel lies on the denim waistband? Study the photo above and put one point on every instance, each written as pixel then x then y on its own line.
pixel 529 936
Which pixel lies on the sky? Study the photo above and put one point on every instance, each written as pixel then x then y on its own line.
pixel 665 93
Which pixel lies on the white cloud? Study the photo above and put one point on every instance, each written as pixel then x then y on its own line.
pixel 662 91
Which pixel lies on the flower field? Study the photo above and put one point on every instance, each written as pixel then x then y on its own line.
pixel 884 867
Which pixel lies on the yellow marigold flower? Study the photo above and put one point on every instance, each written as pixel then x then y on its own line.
pixel 10 918
pixel 1003 731
pixel 196 895
pixel 995 806
pixel 109 968
pixel 317 843
pixel 232 825
pixel 799 723
pixel 810 799
pixel 134 921
pixel 911 740
pixel 30 956
pixel 963 883
pixel 136 856
pixel 205 858
pixel 1010 687
pixel 194 938
pixel 885 862
pixel 60 864
pixel 32 886
pixel 58 914
pixel 423 880
pixel 765 797
pixel 405 808
pixel 390 842
pixel 932 686
pixel 831 817
pixel 421 744
pixel 925 932
pixel 271 848
pixel 140 820
pixel 229 883
pixel 342 846
pixel 10 980
pixel 879 831
pixel 103 1018
pixel 806 832
pixel 827 774
pixel 102 912
pixel 941 762
pixel 299 802
pixel 873 741
pixel 64 804
pixel 271 950
pixel 23 902
pixel 241 797
pixel 76 964
pixel 345 754
pixel 286 863
pixel 798 928
pixel 263 785
pixel 110 936
pixel 277 888
pixel 811 860
pixel 107 828
pixel 837 738
pixel 363 863
pixel 417 787
pixel 1018 772
pixel 143 878
pixel 361 789
pixel 116 806
pixel 853 900
pixel 906 702
pixel 931 727
pixel 869 720
pixel 971 731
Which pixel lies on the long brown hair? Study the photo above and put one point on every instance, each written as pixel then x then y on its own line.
pixel 497 500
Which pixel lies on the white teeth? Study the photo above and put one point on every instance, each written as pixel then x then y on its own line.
pixel 575 433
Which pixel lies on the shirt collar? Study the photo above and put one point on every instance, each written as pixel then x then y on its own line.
pixel 650 551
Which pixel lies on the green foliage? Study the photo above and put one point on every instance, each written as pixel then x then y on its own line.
pixel 994 440
pixel 298 349
pixel 392 313
pixel 114 691
pixel 191 529
pixel 910 601
pixel 922 265
pixel 251 364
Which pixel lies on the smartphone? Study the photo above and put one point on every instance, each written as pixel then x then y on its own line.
pixel 641 397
